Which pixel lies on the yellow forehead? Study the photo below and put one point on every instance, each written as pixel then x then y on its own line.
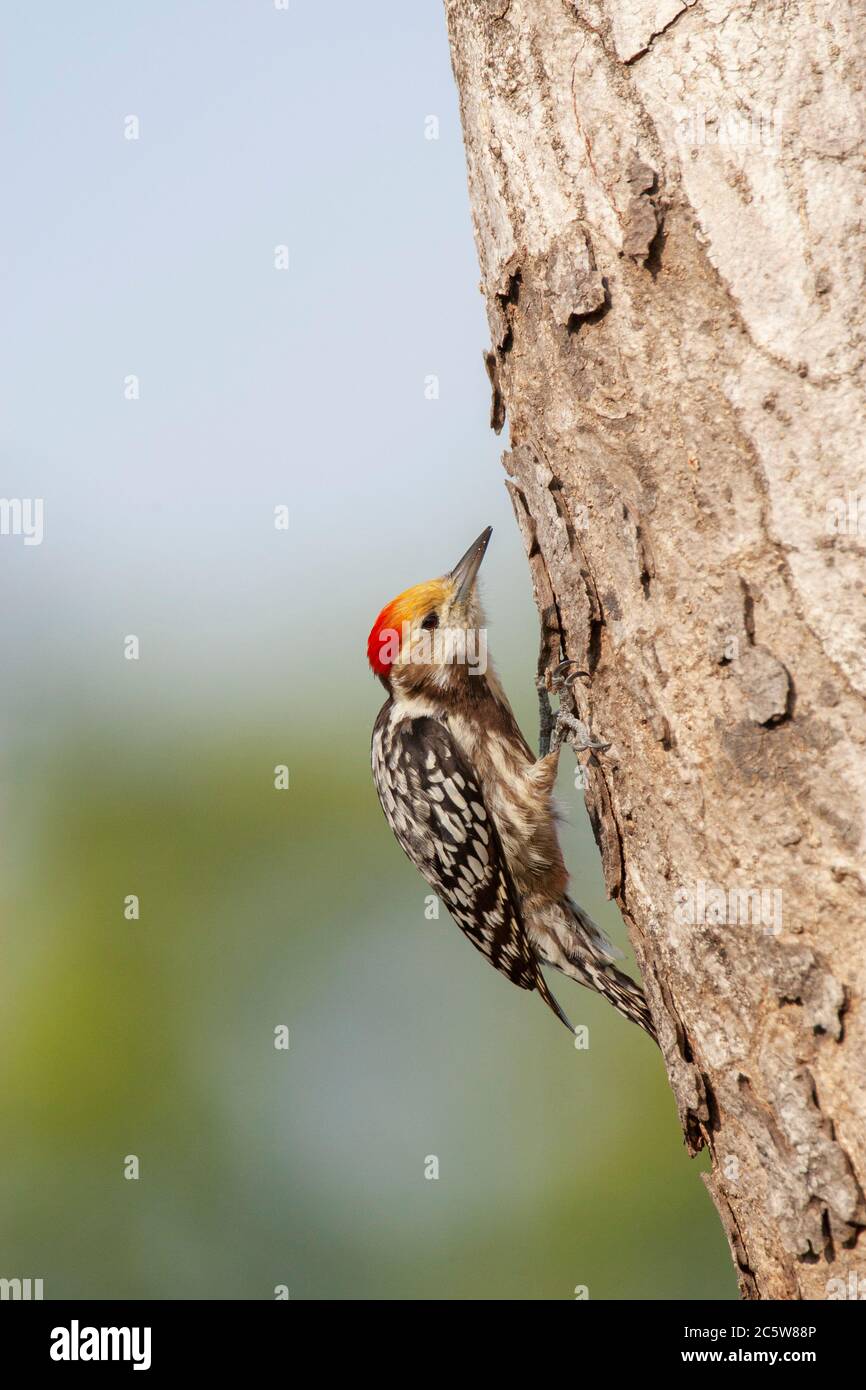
pixel 418 601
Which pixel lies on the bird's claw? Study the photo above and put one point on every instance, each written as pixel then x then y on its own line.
pixel 560 681
pixel 583 740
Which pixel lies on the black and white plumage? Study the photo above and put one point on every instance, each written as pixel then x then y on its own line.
pixel 435 806
pixel 470 803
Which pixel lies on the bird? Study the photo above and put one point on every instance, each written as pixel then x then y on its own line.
pixel 470 803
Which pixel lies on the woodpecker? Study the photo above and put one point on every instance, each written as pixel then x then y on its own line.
pixel 470 803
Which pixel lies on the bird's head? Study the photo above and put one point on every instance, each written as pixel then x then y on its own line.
pixel 432 636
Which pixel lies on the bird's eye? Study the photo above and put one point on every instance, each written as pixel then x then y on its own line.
pixel 431 621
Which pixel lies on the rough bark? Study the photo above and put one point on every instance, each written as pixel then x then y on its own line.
pixel 676 306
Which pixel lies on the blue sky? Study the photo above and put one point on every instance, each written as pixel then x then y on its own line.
pixel 155 257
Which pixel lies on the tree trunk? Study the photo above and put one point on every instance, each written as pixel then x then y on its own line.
pixel 668 207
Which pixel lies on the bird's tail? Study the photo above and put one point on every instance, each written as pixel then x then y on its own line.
pixel 573 944
pixel 544 990
pixel 625 994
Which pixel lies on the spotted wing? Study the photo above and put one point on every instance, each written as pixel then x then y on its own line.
pixel 435 807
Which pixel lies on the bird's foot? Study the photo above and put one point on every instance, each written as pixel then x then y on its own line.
pixel 568 728
pixel 554 730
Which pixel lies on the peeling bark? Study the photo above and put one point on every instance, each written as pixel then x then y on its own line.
pixel 667 198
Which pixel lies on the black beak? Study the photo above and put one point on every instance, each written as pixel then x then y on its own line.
pixel 465 571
